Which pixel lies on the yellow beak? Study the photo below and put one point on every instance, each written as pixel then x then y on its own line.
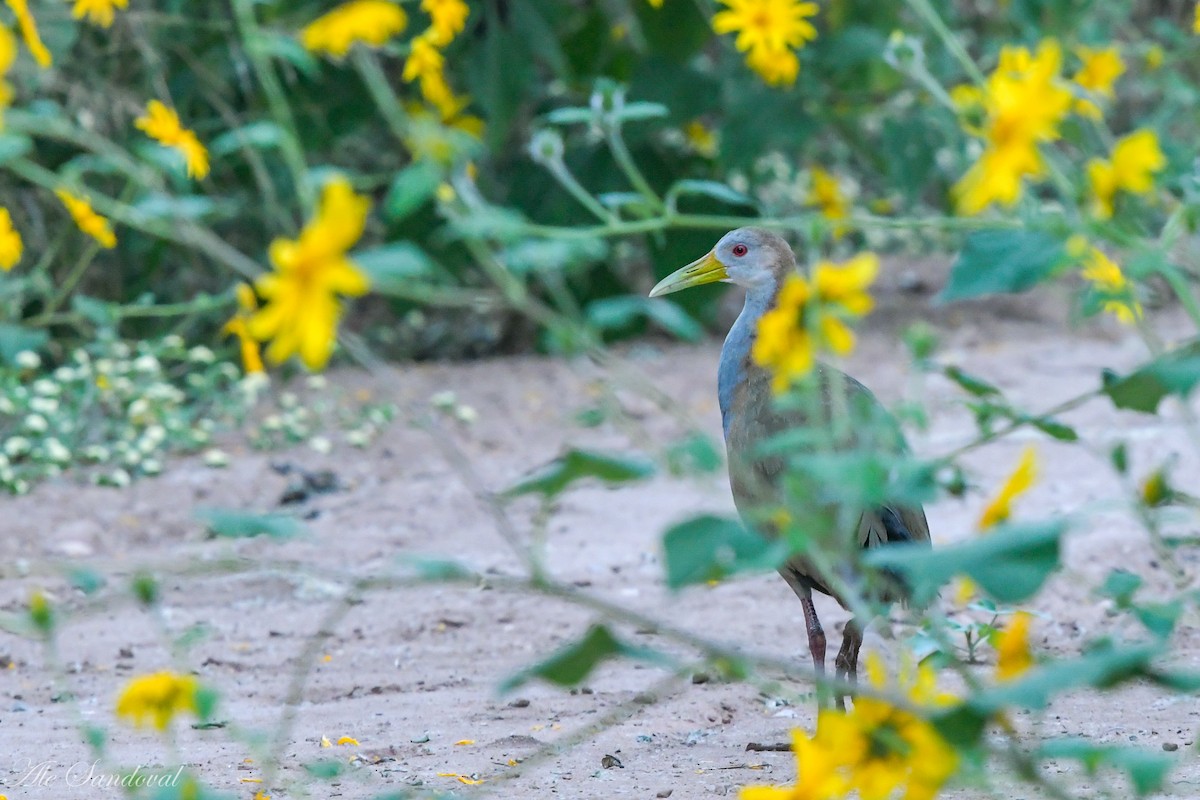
pixel 705 269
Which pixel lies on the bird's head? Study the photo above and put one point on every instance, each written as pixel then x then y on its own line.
pixel 754 258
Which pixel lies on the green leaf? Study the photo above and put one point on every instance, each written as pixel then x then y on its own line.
pixel 17 339
pixel 713 189
pixel 435 569
pixel 14 146
pixel 1007 261
pixel 100 313
pixel 391 267
pixel 1103 668
pixel 1120 585
pixel 575 465
pixel 1010 563
pixel 1142 390
pixel 412 188
pixel 233 524
pixel 639 110
pixel 972 384
pixel 1054 428
pixel 86 580
pixel 286 47
pixel 612 314
pixel 262 135
pixel 324 769
pixel 695 454
pixel 165 206
pixel 708 548
pixel 1147 769
pixel 570 665
pixel 570 116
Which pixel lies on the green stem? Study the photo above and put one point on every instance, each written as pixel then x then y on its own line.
pixel 1182 290
pixel 276 101
pixel 72 280
pixel 182 232
pixel 924 9
pixel 561 173
pixel 381 92
pixel 616 143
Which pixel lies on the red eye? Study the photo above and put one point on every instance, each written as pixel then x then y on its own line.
pixel 740 250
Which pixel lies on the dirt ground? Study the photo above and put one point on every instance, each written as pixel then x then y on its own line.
pixel 412 673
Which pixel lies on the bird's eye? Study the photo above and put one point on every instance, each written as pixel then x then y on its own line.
pixel 740 250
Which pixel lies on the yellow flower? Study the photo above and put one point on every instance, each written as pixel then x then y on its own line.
pixel 1013 656
pixel 816 775
pixel 1155 57
pixel 826 194
pixel 1019 482
pixel 775 67
pixel 162 125
pixel 157 698
pixel 768 32
pixel 1135 159
pixel 239 326
pixel 1106 277
pixel 808 318
pixel 879 747
pixel 846 284
pixel 8 54
pixel 367 22
pixel 29 32
pixel 771 25
pixel 87 219
pixel 11 246
pixel 702 139
pixel 1100 69
pixel 655 3
pixel 350 740
pixel 303 308
pixel 1196 20
pixel 1022 105
pixel 448 18
pixel 783 343
pixel 425 63
pixel 99 12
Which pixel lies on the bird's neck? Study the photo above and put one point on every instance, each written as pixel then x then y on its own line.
pixel 735 355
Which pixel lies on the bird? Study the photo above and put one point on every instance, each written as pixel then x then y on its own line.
pixel 760 261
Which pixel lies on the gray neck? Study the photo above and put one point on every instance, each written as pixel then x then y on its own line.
pixel 735 355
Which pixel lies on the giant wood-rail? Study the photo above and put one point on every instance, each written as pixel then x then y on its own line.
pixel 760 261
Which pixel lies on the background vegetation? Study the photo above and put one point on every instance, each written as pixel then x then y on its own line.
pixel 513 175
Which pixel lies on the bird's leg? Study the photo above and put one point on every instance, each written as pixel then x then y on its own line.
pixel 816 634
pixel 816 639
pixel 846 663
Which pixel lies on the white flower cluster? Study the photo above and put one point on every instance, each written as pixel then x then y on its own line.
pixel 114 408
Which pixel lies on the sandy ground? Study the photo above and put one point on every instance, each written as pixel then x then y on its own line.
pixel 412 673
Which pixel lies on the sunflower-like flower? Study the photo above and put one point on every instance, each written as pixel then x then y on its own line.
pixel 86 218
pixel 809 318
pixel 1017 484
pixel 158 698
pixel 367 22
pixel 447 19
pixel 1135 159
pixel 303 294
pixel 769 32
pixel 11 246
pixel 162 125
pixel 1021 107
pixel 98 12
pixel 29 32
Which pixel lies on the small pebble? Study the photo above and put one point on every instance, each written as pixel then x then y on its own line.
pixel 520 702
pixel 1170 747
pixel 665 793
